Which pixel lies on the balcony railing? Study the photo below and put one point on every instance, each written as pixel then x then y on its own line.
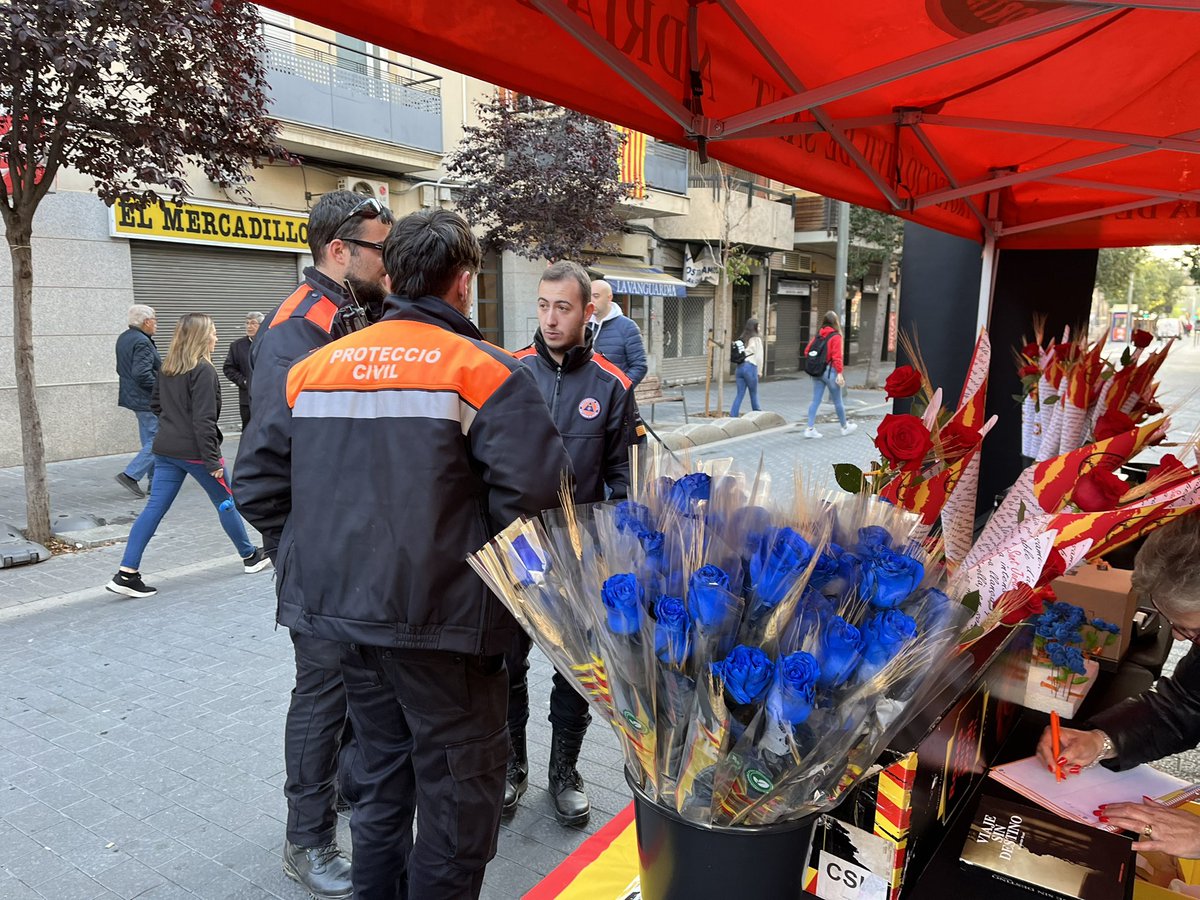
pixel 666 167
pixel 316 82
pixel 751 189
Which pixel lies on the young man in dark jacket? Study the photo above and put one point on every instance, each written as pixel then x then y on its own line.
pixel 591 401
pixel 405 447
pixel 617 336
pixel 345 234
pixel 138 364
pixel 239 365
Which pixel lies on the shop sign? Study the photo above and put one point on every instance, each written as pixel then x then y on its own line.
pixel 212 223
pixel 794 288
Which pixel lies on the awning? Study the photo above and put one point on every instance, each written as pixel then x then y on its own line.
pixel 628 278
pixel 1030 124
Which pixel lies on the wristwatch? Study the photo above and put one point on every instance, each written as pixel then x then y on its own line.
pixel 1107 750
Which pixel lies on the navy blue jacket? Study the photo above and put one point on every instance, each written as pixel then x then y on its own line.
pixel 402 448
pixel 619 340
pixel 591 402
pixel 138 363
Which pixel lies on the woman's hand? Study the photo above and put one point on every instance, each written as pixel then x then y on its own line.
pixel 219 473
pixel 841 380
pixel 1172 831
pixel 1076 748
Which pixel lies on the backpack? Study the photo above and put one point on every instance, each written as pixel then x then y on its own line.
pixel 737 353
pixel 816 361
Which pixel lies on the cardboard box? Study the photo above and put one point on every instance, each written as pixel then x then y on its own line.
pixel 1102 594
pixel 908 803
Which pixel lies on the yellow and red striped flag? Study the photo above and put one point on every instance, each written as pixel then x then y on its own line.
pixel 633 161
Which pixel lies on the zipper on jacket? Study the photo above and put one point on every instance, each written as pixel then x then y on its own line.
pixel 557 388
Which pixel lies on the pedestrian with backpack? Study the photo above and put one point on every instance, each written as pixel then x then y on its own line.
pixel 823 363
pixel 747 354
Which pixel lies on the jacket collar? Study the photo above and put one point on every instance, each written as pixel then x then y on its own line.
pixel 432 310
pixel 572 359
pixel 326 285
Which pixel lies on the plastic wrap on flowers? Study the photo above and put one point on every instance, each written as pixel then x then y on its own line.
pixel 753 656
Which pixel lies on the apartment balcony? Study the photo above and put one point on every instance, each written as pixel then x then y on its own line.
pixel 350 106
pixel 666 174
pixel 749 213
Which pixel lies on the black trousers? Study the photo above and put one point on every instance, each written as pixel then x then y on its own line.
pixel 317 743
pixel 244 409
pixel 431 740
pixel 568 710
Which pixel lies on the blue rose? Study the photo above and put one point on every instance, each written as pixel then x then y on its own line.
pixel 840 648
pixel 813 612
pixel 746 673
pixel 933 608
pixel 1066 633
pixel 775 570
pixel 672 631
pixel 690 489
pixel 827 567
pixel 887 578
pixel 708 596
pixel 872 539
pixel 884 635
pixel 654 545
pixel 1101 625
pixel 632 517
pixel 622 597
pixel 1046 623
pixel 1074 660
pixel 529 559
pixel 791 695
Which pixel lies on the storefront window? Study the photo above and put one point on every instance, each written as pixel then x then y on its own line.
pixel 683 326
pixel 488 300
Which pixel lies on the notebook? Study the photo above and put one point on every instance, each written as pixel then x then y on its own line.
pixel 1076 796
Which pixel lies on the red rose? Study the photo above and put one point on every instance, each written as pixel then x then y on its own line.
pixel 1098 490
pixel 1142 338
pixel 903 439
pixel 1028 370
pixel 1112 423
pixel 1064 352
pixel 1055 567
pixel 1032 351
pixel 1033 606
pixel 957 440
pixel 903 382
pixel 1169 469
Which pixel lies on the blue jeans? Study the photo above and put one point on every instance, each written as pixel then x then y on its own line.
pixel 828 380
pixel 168 479
pixel 143 463
pixel 747 380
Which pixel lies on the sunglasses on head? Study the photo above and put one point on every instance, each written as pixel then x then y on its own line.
pixel 368 209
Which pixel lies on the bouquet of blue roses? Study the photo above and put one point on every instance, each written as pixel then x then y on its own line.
pixel 757 652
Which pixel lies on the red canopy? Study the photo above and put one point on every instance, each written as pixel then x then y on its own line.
pixel 1049 124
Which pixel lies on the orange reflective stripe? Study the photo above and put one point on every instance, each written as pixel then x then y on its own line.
pixel 288 306
pixel 612 369
pixel 322 314
pixel 522 354
pixel 400 356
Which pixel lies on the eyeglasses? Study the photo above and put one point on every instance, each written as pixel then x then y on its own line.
pixel 1183 634
pixel 368 209
pixel 371 244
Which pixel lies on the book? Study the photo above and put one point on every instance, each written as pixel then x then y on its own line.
pixel 1077 795
pixel 1020 844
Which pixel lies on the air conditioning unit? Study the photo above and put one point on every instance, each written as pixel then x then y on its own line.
pixel 367 187
pixel 790 261
pixel 434 194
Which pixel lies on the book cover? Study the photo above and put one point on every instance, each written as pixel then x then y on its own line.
pixel 1054 857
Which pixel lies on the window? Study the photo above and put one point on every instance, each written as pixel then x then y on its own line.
pixel 684 326
pixel 488 309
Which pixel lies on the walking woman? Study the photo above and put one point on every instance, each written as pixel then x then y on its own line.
pixel 187 401
pixel 747 370
pixel 823 362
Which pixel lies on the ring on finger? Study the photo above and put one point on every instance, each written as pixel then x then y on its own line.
pixel 1148 832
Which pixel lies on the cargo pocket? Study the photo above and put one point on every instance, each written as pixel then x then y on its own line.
pixel 477 768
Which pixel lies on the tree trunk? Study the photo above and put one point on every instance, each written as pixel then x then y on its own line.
pixel 876 351
pixel 33 448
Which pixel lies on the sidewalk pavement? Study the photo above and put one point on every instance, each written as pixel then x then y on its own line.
pixel 141 740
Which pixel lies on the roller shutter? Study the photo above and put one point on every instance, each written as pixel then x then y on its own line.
pixel 791 323
pixel 225 283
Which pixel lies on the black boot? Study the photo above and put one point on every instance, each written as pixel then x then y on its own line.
pixel 323 871
pixel 571 805
pixel 516 779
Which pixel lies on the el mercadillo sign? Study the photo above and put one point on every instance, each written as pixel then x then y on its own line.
pixel 211 223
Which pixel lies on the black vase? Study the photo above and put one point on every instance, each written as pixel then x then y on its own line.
pixel 679 860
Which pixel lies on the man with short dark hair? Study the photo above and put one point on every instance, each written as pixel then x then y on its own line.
pixel 238 365
pixel 403 448
pixel 592 403
pixel 345 234
pixel 138 363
